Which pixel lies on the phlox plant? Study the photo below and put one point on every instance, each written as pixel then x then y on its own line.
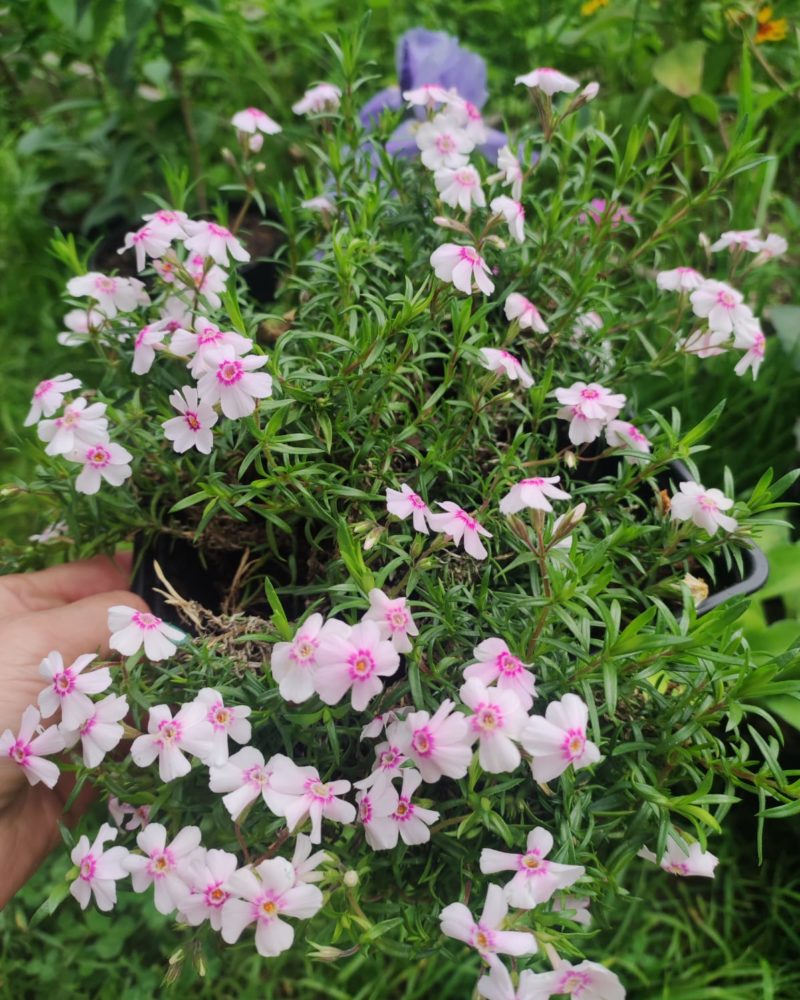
pixel 456 687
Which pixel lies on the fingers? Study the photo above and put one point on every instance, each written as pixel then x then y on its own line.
pixel 59 585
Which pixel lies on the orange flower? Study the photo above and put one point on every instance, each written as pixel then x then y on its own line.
pixel 592 6
pixel 769 30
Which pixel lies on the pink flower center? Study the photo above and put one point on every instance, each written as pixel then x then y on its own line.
pixel 318 790
pixel 145 621
pixel 69 419
pixel 256 775
pixel 468 254
pixel 416 502
pixel 98 457
pixel 508 665
pixel 677 868
pixel 573 744
pixel 726 300
pixel 404 810
pixel 574 983
pixel 221 231
pixel 304 650
pixel 219 716
pixel 88 868
pixel 267 907
pixel 470 522
pixel 192 421
pixel 167 218
pixel 532 863
pixel 704 502
pixel 256 113
pixel 759 343
pixel 445 143
pixel 215 895
pixel 169 733
pixel 635 435
pixel 64 683
pixel 397 619
pixel 19 752
pixel 589 393
pixel 105 286
pixel 209 335
pixel 487 718
pixel 536 481
pixel 482 938
pixel 141 235
pixel 43 388
pixel 465 178
pixel 423 742
pixel 140 337
pixel 361 664
pixel 89 725
pixel 161 864
pixel 365 810
pixel 473 112
pixel 389 759
pixel 230 372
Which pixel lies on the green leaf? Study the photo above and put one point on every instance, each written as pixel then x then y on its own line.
pixel 680 69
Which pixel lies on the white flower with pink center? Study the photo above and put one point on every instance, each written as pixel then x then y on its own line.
pixel 30 746
pixel 169 739
pixel 739 239
pixel 210 239
pixel 679 279
pixel 323 98
pixel 101 731
pixel 497 664
pixel 148 340
pixel 388 763
pixel 558 739
pixel 263 896
pixel 147 241
pixel 427 96
pixel 532 493
pixel 462 266
pixel 596 402
pixel 167 867
pixel 393 619
pixel 772 246
pixel 582 429
pixel 501 361
pixel 49 395
pixel 536 879
pixel 112 294
pixel 174 315
pixel 252 120
pixel 440 745
pixel 549 81
pixel 405 503
pixel 354 662
pixel 705 343
pixel 69 688
pixel 169 224
pixel 693 502
pixel 242 778
pixel 497 985
pixel 460 526
pixel 98 869
pixel 410 820
pixel 206 338
pixel 102 462
pixel 375 808
pixel 460 187
pixel 466 115
pixel 234 383
pixel 443 144
pixel 724 307
pixel 514 215
pixel 526 314
pixel 683 859
pixel 140 815
pixel 131 629
pixel 510 171
pixel 197 275
pixel 225 721
pixel 622 434
pixel 485 935
pixel 305 864
pixel 755 345
pixel 192 429
pixel 79 424
pixel 585 981
pixel 294 663
pixel 496 723
pixel 298 793
pixel 209 890
pixel 80 324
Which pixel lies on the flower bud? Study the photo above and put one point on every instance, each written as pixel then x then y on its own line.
pixel 255 142
pixel 350 879
pixel 698 588
pixel 373 537
pixel 570 459
pixel 325 953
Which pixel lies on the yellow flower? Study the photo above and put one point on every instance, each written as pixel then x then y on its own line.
pixel 769 30
pixel 592 6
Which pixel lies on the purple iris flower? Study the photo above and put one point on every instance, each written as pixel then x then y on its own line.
pixel 431 57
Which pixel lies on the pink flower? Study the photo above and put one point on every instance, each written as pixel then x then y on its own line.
pixel 549 81
pixel 497 985
pixel 462 266
pixel 294 663
pixel 514 215
pixel 739 239
pixel 621 434
pixel 495 662
pixel 354 662
pixel 484 935
pixel 410 820
pixel 200 345
pixel 79 424
pixel 80 324
pixel 404 503
pixel 460 187
pixel 458 524
pixel 305 863
pixel 393 619
pixel 234 383
pixel 497 722
pixel 140 815
pixel 703 507
pixel 29 748
pixel 101 731
pixel 724 308
pixel 525 312
pixel 680 279
pixel 582 429
pixel 375 808
pixel 209 239
pixel 590 91
pixel 677 860
pixel 262 896
pixel 427 96
pixel 598 211
pixel 374 728
pixel 209 889
pixel 167 223
pixel 300 794
pixel 319 204
pixel 253 120
pixel 147 241
pixel 245 776
pixel 532 493
pixel 772 246
pixel 752 358
pixel 98 870
pixel 148 341
pixel 559 739
pixel 49 395
pixel 225 721
pixel 585 981
pixel 69 688
pixel 536 879
pixel 101 461
pixel 168 738
pixel 388 764
pixel 112 295
pixel 325 97
pixel 595 401
pixel 502 361
pixel 443 144
pixel 167 867
pixel 192 429
pixel 440 745
pixel 704 343
pixel 130 629
pixel 510 171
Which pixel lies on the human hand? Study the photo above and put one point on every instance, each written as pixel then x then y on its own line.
pixel 63 608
